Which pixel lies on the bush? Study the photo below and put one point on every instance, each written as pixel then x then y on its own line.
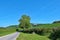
pixel 40 31
pixel 55 34
pixel 28 31
pixel 17 29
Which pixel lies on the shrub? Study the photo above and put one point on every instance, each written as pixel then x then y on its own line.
pixel 28 31
pixel 17 29
pixel 40 31
pixel 55 34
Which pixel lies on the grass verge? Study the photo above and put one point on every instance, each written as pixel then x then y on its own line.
pixel 24 36
pixel 5 31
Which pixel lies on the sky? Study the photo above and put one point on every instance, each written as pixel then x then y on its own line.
pixel 40 11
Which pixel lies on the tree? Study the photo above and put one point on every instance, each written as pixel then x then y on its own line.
pixel 24 21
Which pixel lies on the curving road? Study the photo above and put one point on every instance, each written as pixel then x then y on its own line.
pixel 12 36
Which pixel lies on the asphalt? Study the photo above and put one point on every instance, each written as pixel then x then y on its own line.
pixel 12 36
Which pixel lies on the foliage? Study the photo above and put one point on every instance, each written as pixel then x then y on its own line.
pixel 55 34
pixel 35 30
pixel 24 21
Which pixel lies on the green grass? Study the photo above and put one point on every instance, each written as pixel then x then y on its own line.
pixel 24 36
pixel 5 31
pixel 48 25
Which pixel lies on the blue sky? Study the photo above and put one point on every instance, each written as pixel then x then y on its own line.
pixel 40 11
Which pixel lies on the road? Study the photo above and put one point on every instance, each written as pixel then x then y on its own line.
pixel 12 36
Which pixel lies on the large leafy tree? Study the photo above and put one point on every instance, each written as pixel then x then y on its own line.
pixel 24 21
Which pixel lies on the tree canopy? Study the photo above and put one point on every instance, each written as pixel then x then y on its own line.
pixel 24 22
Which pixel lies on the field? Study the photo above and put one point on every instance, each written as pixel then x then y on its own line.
pixel 5 31
pixel 47 25
pixel 24 36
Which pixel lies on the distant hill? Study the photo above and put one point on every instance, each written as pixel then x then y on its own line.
pixel 12 26
pixel 2 28
pixel 56 22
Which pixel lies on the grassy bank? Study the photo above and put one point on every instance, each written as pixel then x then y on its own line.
pixel 24 36
pixel 5 31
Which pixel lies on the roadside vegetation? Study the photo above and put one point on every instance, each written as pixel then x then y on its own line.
pixel 24 36
pixel 7 30
pixel 41 31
